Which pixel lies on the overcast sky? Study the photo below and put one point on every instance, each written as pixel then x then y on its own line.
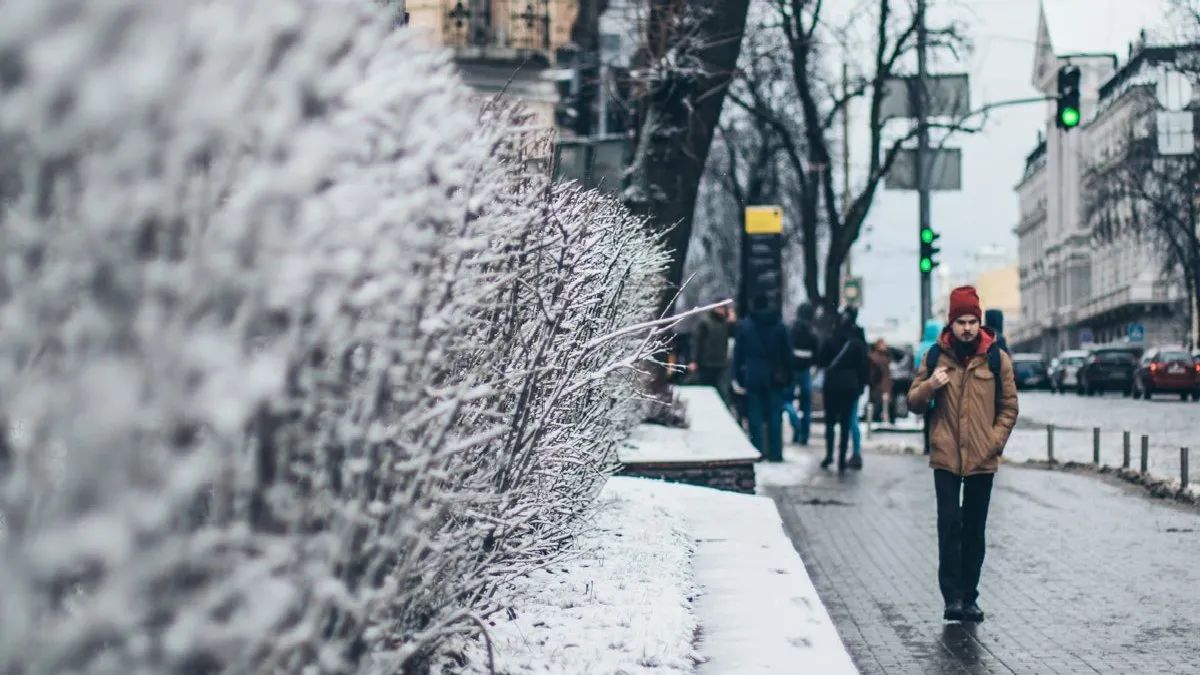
pixel 985 211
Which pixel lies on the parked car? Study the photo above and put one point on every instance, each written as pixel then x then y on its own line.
pixel 1064 369
pixel 1030 371
pixel 1167 370
pixel 1107 369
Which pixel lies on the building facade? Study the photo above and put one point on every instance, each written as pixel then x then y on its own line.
pixel 1078 287
pixel 504 47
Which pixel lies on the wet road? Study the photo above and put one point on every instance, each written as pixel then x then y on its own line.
pixel 1082 575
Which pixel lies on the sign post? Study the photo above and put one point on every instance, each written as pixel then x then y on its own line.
pixel 762 256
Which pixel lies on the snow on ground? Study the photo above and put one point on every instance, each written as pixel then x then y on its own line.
pixel 712 435
pixel 623 604
pixel 671 576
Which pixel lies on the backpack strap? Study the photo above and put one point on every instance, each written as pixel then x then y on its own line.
pixel 931 358
pixel 993 357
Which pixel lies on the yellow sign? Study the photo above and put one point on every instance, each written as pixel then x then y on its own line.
pixel 764 220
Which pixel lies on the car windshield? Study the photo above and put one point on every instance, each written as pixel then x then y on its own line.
pixel 1114 357
pixel 1175 356
pixel 1029 366
pixel 1073 361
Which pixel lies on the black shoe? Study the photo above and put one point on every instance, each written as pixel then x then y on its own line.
pixel 855 462
pixel 826 462
pixel 954 611
pixel 841 464
pixel 972 613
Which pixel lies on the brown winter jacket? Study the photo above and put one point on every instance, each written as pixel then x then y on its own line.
pixel 969 428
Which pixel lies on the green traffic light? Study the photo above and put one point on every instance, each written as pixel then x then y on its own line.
pixel 927 235
pixel 1070 117
pixel 926 265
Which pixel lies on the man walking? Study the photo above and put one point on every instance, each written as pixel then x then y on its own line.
pixel 804 348
pixel 762 366
pixel 965 386
pixel 710 350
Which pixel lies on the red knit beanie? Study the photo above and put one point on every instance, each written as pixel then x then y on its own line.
pixel 964 300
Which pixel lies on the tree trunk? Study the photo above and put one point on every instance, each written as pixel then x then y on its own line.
pixel 696 45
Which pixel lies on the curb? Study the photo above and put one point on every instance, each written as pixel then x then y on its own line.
pixel 1160 488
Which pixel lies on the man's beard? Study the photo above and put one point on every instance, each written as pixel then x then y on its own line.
pixel 965 348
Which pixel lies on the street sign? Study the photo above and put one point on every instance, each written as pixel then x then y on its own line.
pixel 852 292
pixel 949 95
pixel 945 170
pixel 1086 336
pixel 764 220
pixel 1136 332
pixel 762 255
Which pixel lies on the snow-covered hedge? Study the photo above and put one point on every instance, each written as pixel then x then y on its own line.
pixel 301 358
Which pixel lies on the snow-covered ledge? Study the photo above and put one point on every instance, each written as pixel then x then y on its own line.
pixel 713 451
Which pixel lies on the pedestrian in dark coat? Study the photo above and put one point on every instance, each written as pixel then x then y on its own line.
pixel 994 319
pixel 844 358
pixel 762 366
pixel 970 423
pixel 710 350
pixel 804 348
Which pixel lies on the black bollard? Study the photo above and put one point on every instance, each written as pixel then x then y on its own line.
pixel 1125 456
pixel 1145 453
pixel 1096 446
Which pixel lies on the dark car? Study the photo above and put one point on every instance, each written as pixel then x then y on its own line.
pixel 1030 371
pixel 1167 370
pixel 1107 369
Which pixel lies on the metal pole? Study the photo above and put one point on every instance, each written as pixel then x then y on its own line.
pixel 1183 468
pixel 1145 453
pixel 922 157
pixel 1050 442
pixel 1096 446
pixel 846 157
pixel 602 130
pixel 1125 456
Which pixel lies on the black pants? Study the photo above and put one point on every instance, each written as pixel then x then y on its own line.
pixel 961 532
pixel 839 408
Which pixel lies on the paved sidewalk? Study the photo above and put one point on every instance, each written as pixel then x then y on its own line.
pixel 1082 575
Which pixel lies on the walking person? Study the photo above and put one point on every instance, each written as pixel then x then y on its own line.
pixel 844 358
pixel 710 350
pixel 994 319
pixel 881 381
pixel 970 422
pixel 804 349
pixel 762 366
pixel 850 318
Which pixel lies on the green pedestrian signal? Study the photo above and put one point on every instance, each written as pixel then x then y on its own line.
pixel 1070 117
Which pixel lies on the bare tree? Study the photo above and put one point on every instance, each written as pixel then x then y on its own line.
pixel 690 50
pixel 809 36
pixel 1139 194
pixel 748 163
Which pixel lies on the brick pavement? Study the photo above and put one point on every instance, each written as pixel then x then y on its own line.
pixel 1082 575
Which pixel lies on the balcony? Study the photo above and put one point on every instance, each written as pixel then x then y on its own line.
pixel 1158 292
pixel 498 30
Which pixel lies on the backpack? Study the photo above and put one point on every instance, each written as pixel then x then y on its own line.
pixel 993 360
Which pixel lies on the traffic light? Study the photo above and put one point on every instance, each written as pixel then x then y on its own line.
pixel 928 250
pixel 1068 98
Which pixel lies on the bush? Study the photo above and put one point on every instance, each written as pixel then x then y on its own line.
pixel 303 356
